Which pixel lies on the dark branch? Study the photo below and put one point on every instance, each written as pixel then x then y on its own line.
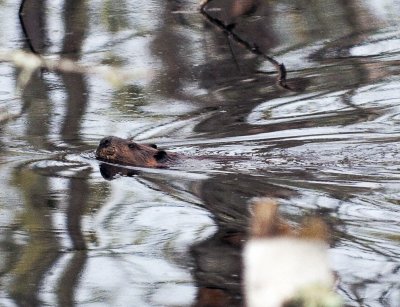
pixel 228 30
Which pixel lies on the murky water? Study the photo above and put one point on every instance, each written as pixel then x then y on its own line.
pixel 166 237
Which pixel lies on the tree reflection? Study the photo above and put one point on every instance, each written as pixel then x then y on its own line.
pixel 43 249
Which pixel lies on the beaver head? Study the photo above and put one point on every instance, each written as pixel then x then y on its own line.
pixel 124 151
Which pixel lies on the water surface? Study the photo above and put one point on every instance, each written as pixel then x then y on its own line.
pixel 70 235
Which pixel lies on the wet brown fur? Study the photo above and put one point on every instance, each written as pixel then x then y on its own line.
pixel 124 151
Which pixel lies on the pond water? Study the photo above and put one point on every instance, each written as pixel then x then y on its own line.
pixel 70 235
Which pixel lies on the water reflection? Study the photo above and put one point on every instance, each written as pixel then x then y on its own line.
pixel 41 247
pixel 110 171
pixel 226 197
pixel 174 236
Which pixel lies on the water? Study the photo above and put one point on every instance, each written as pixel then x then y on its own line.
pixel 168 237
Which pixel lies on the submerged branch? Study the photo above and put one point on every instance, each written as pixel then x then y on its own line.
pixel 6 116
pixel 252 47
pixel 29 63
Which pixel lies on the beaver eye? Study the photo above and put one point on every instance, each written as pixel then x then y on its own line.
pixel 105 143
pixel 132 146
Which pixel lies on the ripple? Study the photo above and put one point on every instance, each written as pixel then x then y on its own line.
pixel 386 43
pixel 60 168
pixel 295 107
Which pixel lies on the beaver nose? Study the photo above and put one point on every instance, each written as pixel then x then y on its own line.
pixel 104 143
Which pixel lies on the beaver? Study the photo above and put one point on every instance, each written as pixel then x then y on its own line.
pixel 124 151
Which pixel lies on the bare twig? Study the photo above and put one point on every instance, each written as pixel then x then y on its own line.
pixel 254 48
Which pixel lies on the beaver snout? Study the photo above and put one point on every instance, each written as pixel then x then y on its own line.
pixel 105 149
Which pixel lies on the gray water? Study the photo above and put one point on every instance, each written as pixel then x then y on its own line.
pixel 165 237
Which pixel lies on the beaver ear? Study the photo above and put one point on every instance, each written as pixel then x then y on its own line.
pixel 153 146
pixel 161 156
